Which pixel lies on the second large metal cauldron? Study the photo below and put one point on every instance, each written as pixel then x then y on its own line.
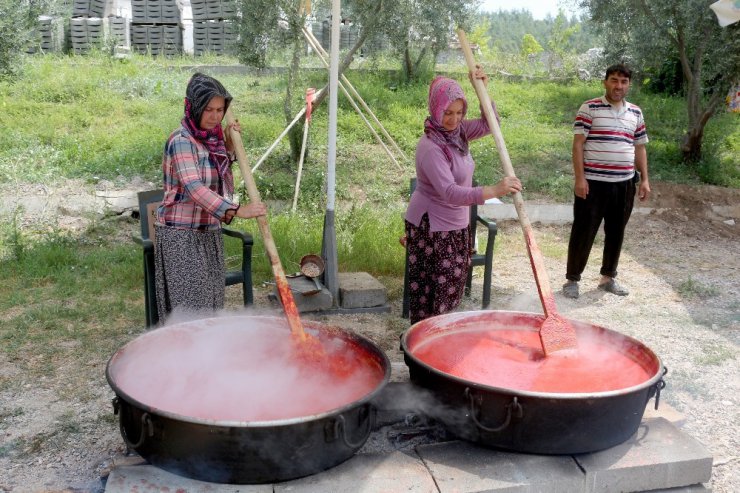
pixel 540 422
pixel 212 444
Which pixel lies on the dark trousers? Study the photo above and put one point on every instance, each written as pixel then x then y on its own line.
pixel 610 202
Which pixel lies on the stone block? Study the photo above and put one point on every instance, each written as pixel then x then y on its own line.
pixel 664 411
pixel 694 488
pixel 369 473
pixel 360 290
pixel 149 478
pixel 463 467
pixel 659 455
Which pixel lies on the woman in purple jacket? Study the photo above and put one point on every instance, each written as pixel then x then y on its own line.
pixel 437 235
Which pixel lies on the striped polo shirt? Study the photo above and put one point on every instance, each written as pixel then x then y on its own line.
pixel 611 136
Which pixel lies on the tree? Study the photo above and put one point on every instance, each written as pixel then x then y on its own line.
pixel 648 33
pixel 265 24
pixel 530 46
pixel 17 20
pixel 420 29
pixel 560 38
pixel 479 35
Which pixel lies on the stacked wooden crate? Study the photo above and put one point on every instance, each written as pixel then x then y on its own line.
pixel 156 27
pixel 213 26
pixel 86 27
pixel 48 35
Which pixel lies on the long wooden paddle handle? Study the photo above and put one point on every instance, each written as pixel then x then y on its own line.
pixel 286 296
pixel 535 255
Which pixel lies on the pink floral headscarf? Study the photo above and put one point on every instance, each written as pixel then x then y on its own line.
pixel 442 93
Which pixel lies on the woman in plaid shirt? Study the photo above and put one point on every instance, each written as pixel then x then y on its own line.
pixel 198 189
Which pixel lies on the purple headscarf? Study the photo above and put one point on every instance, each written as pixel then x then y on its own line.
pixel 442 93
pixel 201 89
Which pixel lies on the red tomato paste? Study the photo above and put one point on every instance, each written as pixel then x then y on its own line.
pixel 244 369
pixel 513 359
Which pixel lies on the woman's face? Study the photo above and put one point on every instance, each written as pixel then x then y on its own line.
pixel 453 115
pixel 213 113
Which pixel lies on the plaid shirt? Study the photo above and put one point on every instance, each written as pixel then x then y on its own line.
pixel 191 186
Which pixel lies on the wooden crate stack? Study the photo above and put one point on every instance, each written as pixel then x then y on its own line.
pixel 86 27
pixel 89 8
pixel 213 26
pixel 48 35
pixel 156 27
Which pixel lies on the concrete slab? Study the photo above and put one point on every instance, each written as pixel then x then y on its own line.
pixel 539 213
pixel 659 455
pixel 146 478
pixel 694 488
pixel 463 467
pixel 349 311
pixel 664 411
pixel 367 473
pixel 359 290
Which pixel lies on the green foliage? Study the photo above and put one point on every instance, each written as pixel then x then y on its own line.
pixel 508 29
pixel 691 288
pixel 419 31
pixel 530 46
pixel 560 38
pixel 113 122
pixel 16 22
pixel 257 30
pixel 655 36
pixel 715 354
pixel 480 36
pixel 367 240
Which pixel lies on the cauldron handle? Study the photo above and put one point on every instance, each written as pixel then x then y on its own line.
pixel 338 429
pixel 659 385
pixel 146 423
pixel 512 407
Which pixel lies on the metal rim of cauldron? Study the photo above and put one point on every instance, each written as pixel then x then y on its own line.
pixel 233 452
pixel 550 423
pixel 362 341
pixel 660 370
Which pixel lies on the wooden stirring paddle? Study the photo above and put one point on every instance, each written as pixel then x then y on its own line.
pixel 556 333
pixel 286 296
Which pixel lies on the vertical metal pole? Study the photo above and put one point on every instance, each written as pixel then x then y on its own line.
pixel 329 247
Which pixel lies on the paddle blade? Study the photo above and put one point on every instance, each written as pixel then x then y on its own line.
pixel 557 334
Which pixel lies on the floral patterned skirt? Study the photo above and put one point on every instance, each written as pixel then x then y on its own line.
pixel 189 272
pixel 438 266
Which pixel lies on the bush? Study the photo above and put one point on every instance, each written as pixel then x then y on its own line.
pixel 15 23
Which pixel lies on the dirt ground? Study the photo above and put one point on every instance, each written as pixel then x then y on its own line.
pixel 681 261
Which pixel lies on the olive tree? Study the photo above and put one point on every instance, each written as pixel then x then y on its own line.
pixel 17 21
pixel 420 29
pixel 275 24
pixel 649 33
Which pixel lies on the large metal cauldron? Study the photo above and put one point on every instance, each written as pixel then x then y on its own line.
pixel 537 422
pixel 234 451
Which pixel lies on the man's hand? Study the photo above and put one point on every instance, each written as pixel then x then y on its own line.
pixel 581 188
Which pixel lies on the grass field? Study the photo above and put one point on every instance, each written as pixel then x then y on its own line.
pixel 97 118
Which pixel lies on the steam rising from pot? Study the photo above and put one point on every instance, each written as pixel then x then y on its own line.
pixel 241 369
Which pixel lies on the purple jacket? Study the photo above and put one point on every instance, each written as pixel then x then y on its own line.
pixel 444 190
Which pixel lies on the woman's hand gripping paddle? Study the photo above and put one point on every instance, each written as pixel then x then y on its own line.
pixel 556 333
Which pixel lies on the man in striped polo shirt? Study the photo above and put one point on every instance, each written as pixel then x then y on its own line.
pixel 608 147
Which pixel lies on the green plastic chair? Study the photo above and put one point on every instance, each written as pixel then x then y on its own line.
pixel 148 203
pixel 477 259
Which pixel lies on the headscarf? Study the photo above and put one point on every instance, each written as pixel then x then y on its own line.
pixel 201 89
pixel 442 93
